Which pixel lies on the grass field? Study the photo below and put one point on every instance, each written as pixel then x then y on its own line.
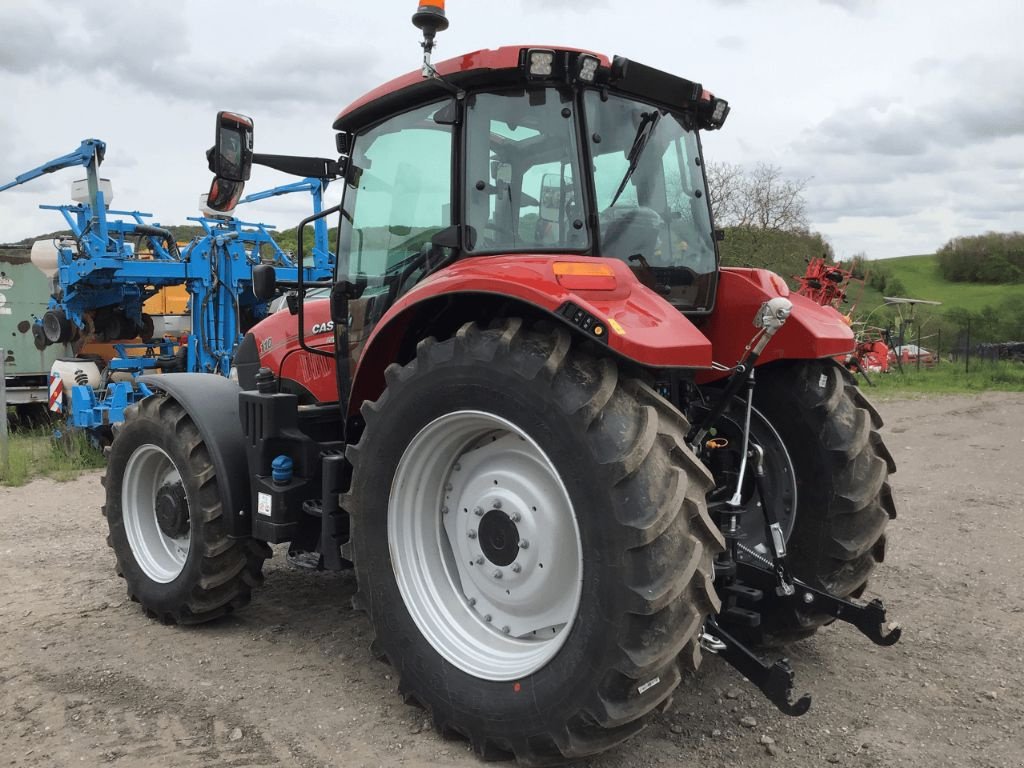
pixel 42 453
pixel 948 378
pixel 920 276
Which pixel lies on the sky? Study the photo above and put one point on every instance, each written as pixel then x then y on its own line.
pixel 906 117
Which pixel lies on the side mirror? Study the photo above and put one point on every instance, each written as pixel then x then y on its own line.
pixel 224 194
pixel 264 282
pixel 550 197
pixel 232 152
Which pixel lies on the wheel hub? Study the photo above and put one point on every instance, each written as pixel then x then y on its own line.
pixel 499 538
pixel 155 512
pixel 172 510
pixel 485 545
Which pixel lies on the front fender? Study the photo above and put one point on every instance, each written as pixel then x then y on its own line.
pixel 633 321
pixel 812 331
pixel 212 403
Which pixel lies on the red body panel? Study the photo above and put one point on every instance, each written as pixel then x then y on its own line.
pixel 812 331
pixel 506 57
pixel 277 341
pixel 640 324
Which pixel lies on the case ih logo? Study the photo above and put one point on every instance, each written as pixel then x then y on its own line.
pixel 322 328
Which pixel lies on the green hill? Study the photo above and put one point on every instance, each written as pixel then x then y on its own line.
pixel 995 312
pixel 920 276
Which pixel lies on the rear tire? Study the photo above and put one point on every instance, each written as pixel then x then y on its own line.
pixel 165 515
pixel 610 455
pixel 842 469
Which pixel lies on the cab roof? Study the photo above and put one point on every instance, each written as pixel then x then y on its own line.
pixel 506 66
pixel 480 65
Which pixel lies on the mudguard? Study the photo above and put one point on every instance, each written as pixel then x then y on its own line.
pixel 812 331
pixel 597 297
pixel 212 402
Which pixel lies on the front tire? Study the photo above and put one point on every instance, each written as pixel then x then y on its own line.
pixel 166 520
pixel 842 469
pixel 591 469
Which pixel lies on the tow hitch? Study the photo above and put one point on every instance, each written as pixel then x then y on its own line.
pixel 764 585
pixel 754 592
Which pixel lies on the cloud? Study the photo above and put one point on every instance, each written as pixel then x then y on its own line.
pixel 961 118
pixel 854 7
pixel 731 43
pixel 128 48
pixel 564 5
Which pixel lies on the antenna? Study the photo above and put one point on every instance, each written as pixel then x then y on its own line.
pixel 431 19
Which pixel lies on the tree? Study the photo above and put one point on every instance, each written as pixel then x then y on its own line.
pixel 764 215
pixel 990 258
pixel 762 198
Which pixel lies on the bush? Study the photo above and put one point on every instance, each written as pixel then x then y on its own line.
pixel 991 258
pixel 781 251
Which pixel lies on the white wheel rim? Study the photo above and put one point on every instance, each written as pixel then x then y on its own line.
pixel 160 556
pixel 485 545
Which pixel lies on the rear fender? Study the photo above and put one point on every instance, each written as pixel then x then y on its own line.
pixel 614 310
pixel 812 331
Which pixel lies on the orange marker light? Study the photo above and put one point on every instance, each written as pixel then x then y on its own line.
pixel 580 276
pixel 432 3
pixel 582 268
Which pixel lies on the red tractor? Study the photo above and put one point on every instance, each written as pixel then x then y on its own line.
pixel 563 450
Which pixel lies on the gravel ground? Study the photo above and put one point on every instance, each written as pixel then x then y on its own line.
pixel 88 680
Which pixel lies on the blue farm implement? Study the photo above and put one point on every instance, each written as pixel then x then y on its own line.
pixel 102 279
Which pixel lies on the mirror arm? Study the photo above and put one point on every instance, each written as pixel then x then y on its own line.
pixel 316 167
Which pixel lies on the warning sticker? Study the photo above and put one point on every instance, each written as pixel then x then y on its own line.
pixel 264 504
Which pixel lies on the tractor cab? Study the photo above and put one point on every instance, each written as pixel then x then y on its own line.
pixel 532 151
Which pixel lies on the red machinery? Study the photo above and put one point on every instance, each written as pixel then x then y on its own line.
pixel 828 285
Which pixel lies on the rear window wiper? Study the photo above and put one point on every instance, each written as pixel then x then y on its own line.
pixel 644 131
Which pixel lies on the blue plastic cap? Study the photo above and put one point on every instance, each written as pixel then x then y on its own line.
pixel 281 469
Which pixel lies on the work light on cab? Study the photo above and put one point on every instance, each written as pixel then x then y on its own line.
pixel 588 68
pixel 540 63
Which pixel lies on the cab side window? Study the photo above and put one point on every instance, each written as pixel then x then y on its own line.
pixel 402 196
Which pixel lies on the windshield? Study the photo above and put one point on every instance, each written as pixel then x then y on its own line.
pixel 651 204
pixel 522 172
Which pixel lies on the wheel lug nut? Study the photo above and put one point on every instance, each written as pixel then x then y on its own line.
pixel 444 510
pixel 497 504
pixel 516 567
pixel 457 467
pixel 472 601
pixel 808 598
pixel 479 560
pixel 478 511
pixel 487 618
pixel 524 544
pixel 498 574
pixel 515 517
pixel 506 629
pixel 471 533
pixel 448 486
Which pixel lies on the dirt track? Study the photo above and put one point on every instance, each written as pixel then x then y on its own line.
pixel 88 680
